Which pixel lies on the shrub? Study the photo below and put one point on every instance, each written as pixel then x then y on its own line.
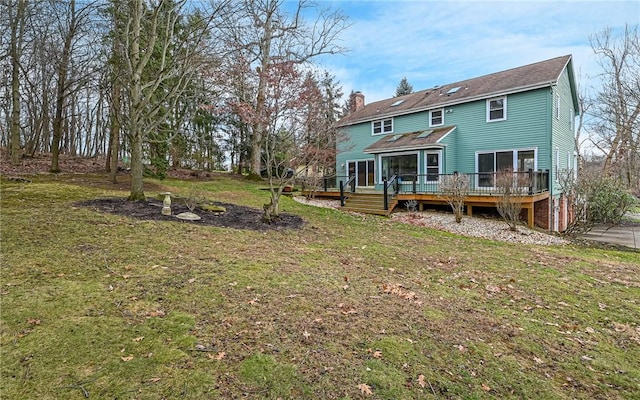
pixel 511 186
pixel 455 188
pixel 411 205
pixel 596 198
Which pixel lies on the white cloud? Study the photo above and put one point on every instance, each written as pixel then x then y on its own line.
pixel 441 42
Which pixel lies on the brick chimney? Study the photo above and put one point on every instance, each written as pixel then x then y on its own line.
pixel 357 101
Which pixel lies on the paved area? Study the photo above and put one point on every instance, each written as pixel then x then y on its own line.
pixel 624 235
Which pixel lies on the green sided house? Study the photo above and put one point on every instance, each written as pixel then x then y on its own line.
pixel 520 120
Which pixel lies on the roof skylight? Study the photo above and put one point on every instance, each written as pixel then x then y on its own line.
pixel 453 90
pixel 397 103
pixel 394 138
pixel 424 134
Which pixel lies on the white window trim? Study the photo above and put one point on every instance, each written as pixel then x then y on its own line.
pixel 572 120
pixel 431 124
pixel 356 160
pixel 399 153
pixel 556 167
pixel 515 158
pixel 439 153
pixel 382 132
pixel 504 109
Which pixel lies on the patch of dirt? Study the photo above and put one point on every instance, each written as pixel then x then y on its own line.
pixel 235 216
pixel 40 163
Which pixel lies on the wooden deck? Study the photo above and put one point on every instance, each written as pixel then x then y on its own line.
pixel 471 201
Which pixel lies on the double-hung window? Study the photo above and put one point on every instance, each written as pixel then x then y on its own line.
pixel 497 109
pixel 382 126
pixel 436 117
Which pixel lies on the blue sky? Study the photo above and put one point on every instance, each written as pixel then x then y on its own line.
pixel 439 42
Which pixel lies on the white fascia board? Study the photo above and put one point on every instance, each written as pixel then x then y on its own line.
pixel 406 148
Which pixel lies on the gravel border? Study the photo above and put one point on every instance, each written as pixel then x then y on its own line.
pixel 470 226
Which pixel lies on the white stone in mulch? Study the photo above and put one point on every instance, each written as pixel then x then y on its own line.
pixel 470 226
pixel 188 216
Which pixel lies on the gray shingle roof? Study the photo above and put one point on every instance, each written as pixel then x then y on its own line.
pixel 409 140
pixel 540 74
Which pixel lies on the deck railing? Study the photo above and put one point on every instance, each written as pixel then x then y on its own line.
pixel 483 183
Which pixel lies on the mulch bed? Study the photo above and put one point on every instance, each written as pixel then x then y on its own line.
pixel 235 216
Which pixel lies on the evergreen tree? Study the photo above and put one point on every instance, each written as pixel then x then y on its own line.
pixel 404 87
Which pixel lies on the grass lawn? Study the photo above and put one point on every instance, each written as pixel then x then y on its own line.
pixel 102 306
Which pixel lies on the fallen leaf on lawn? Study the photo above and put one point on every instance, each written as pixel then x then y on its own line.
pixel 345 287
pixel 127 358
pixel 493 289
pixel 486 388
pixel 377 354
pixel 346 278
pixel 33 321
pixel 218 356
pixel 365 389
pixel 461 348
pixel 538 360
pixel 590 330
pixel 153 380
pixel 138 339
pixel 253 301
pixel 158 313
pixel 191 280
pixel 306 334
pixel 422 381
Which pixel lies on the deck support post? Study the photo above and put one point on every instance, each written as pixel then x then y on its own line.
pixel 386 197
pixel 341 193
pixel 469 210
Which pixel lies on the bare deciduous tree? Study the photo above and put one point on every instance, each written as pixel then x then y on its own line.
pixel 264 36
pixel 71 21
pixel 16 14
pixel 455 188
pixel 616 126
pixel 176 60
pixel 512 186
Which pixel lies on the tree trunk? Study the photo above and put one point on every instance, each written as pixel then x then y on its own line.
pixel 114 139
pixel 259 127
pixel 137 169
pixel 135 109
pixel 17 27
pixel 61 90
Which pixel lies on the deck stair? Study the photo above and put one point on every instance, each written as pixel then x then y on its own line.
pixel 368 203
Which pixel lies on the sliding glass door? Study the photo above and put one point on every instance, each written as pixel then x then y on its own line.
pixel 364 172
